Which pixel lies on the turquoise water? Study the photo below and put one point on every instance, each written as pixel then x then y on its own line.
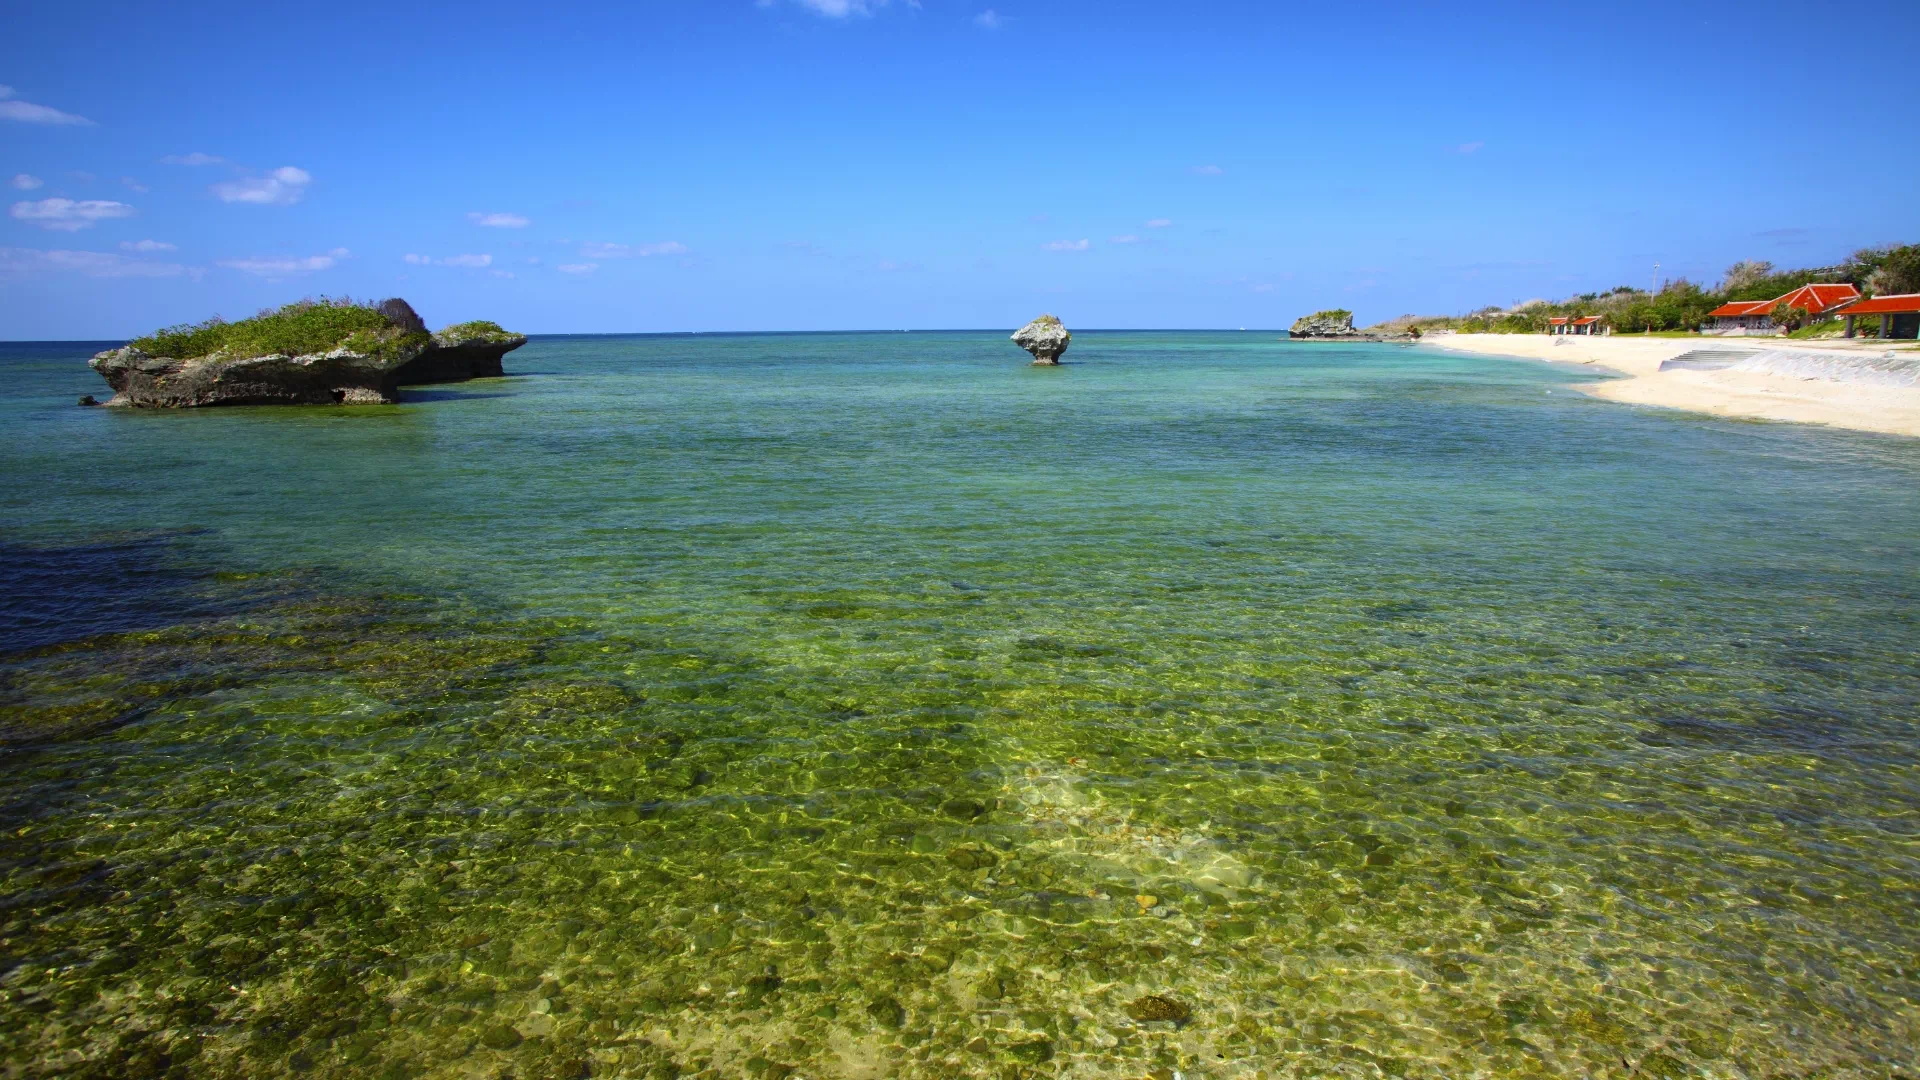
pixel 878 705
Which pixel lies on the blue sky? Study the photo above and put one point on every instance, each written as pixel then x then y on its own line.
pixel 833 164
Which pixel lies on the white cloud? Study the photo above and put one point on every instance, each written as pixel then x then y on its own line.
pixel 28 113
pixel 1066 245
pixel 533 260
pixel 279 266
pixel 145 245
pixel 134 185
pixel 1262 287
pixel 578 268
pixel 502 273
pixel 281 187
pixel 471 261
pixel 987 20
pixel 66 215
pixel 23 182
pixel 1468 148
pixel 499 221
pixel 1127 239
pixel 1159 223
pixel 91 263
pixel 195 158
pixel 840 9
pixel 629 251
pixel 1206 170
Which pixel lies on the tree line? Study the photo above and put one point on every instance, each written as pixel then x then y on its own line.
pixel 1682 305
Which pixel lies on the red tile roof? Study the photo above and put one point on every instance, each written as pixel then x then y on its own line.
pixel 1902 304
pixel 1813 299
pixel 1587 321
pixel 1818 298
pixel 1558 320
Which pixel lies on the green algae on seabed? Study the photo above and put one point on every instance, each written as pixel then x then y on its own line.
pixel 411 841
pixel 1300 769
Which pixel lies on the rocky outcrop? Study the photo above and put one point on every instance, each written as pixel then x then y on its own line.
pixel 1337 325
pixel 458 353
pixel 1045 337
pixel 368 371
pixel 1323 324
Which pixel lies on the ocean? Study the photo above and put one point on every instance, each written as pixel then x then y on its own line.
pixel 878 705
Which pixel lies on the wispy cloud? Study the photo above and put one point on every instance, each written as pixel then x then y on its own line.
pixel 577 268
pixel 1469 147
pixel 195 158
pixel 502 273
pixel 1065 245
pixel 1127 239
pixel 133 185
pixel 499 221
pixel 988 20
pixel 11 108
pixel 1159 223
pixel 273 267
pixel 281 187
pixel 145 245
pixel 1781 234
pixel 803 247
pixel 23 182
pixel 892 266
pixel 632 251
pixel 1206 170
pixel 99 264
pixel 835 9
pixel 472 262
pixel 66 215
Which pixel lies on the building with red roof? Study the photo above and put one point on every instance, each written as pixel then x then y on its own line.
pixel 1562 325
pixel 1749 317
pixel 1899 315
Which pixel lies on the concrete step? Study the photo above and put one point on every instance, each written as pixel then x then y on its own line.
pixel 1706 360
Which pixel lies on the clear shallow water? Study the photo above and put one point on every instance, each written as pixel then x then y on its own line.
pixel 876 705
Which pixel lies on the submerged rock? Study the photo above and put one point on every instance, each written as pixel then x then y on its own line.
pixel 1156 1007
pixel 365 367
pixel 1045 337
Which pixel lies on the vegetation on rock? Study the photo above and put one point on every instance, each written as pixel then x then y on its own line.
pixel 297 329
pixel 477 330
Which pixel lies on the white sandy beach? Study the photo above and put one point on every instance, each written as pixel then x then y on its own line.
pixel 1860 406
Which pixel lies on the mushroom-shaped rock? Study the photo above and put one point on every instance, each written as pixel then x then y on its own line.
pixel 340 353
pixel 1045 338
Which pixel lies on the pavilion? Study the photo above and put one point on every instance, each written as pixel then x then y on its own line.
pixel 1899 315
pixel 1749 317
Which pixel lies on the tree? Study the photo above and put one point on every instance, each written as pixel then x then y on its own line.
pixel 1744 273
pixel 1898 271
pixel 1789 318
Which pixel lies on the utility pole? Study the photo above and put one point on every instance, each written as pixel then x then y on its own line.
pixel 1656 280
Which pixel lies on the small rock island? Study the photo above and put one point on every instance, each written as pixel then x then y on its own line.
pixel 1046 338
pixel 313 352
pixel 1336 324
